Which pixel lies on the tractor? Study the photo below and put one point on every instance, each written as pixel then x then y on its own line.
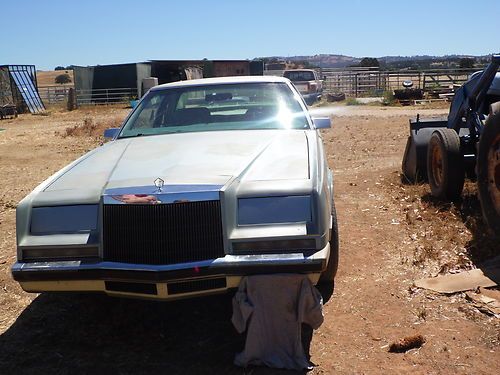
pixel 467 143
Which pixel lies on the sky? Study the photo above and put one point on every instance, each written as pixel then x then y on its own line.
pixel 88 32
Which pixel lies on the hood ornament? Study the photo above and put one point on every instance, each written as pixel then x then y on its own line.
pixel 159 183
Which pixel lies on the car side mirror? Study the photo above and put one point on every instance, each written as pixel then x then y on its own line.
pixel 111 133
pixel 322 122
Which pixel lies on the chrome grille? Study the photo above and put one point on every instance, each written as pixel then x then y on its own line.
pixel 163 233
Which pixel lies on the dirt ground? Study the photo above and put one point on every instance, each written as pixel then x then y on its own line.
pixel 390 235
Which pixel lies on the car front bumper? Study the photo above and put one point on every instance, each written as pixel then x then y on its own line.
pixel 162 281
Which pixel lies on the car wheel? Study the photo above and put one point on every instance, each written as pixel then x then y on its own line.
pixel 445 165
pixel 488 169
pixel 327 276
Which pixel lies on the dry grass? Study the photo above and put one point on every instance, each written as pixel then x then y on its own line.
pixel 444 236
pixel 95 334
pixel 433 105
pixel 89 127
pixel 47 78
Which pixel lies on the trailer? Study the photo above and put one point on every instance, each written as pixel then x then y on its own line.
pixel 466 144
pixel 19 90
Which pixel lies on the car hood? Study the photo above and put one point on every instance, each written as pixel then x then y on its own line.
pixel 203 158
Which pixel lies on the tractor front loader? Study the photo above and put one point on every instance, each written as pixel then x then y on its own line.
pixel 467 143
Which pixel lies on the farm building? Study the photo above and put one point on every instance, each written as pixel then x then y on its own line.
pixel 177 70
pixel 109 83
pixel 225 68
pixel 18 88
pixel 112 83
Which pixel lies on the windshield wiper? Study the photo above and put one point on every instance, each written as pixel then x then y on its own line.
pixel 132 136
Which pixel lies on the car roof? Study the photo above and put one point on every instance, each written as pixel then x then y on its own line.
pixel 221 81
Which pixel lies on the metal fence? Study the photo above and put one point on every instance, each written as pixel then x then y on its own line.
pixel 59 94
pixel 359 82
pixel 54 94
pixel 356 82
pixel 106 96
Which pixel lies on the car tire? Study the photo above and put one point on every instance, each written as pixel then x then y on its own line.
pixel 445 165
pixel 327 277
pixel 488 170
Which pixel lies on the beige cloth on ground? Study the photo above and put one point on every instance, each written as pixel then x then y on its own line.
pixel 272 309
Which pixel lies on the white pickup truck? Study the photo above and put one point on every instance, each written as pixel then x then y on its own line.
pixel 307 82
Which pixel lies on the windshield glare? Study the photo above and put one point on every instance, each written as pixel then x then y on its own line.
pixel 241 106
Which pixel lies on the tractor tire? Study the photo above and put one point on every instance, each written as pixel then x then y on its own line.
pixel 488 169
pixel 327 276
pixel 335 97
pixel 445 165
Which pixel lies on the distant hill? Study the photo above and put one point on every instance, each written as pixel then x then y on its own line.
pixel 47 77
pixel 328 61
pixel 389 62
pixel 323 60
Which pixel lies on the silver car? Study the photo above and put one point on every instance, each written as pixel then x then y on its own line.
pixel 206 181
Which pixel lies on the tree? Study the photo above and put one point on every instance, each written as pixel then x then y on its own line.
pixel 369 62
pixel 60 67
pixel 466 62
pixel 62 79
pixel 305 64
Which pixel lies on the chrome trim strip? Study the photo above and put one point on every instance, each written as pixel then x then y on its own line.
pixel 166 189
pixel 228 260
pixel 167 194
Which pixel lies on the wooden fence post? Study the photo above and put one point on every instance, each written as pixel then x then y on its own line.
pixel 356 85
pixel 71 99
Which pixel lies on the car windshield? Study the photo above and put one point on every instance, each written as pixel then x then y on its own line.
pixel 300 75
pixel 240 106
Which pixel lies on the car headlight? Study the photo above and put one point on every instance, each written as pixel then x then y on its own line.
pixel 274 210
pixel 64 219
